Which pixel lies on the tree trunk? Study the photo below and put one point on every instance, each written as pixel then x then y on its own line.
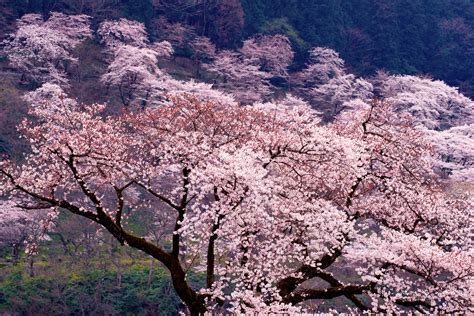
pixel 31 266
pixel 15 253
pixel 150 273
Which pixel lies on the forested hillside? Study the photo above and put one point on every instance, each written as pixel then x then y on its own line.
pixel 429 37
pixel 236 157
pixel 402 36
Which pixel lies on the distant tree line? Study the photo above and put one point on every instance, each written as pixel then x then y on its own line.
pixel 401 36
pixel 411 37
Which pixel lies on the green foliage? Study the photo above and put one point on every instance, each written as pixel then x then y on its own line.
pixel 282 26
pixel 97 291
pixel 401 36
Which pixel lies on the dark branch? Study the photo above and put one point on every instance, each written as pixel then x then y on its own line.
pixel 328 293
pixel 181 211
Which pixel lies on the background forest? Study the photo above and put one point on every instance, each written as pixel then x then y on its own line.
pixel 430 37
pixel 79 269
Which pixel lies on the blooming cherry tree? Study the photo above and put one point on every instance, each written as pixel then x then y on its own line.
pixel 18 224
pixel 337 94
pixel 135 73
pixel 324 64
pixel 442 112
pixel 246 75
pixel 75 27
pixel 48 99
pixel 238 76
pixel 325 84
pixel 42 51
pixel 264 199
pixel 30 19
pixel 432 103
pixel 22 224
pixel 273 53
pixel 114 33
pixel 420 246
pixel 199 90
pixel 133 69
pixel 455 147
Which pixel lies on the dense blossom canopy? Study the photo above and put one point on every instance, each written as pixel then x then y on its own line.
pixel 432 103
pixel 240 77
pixel 263 198
pixel 18 224
pixel 114 33
pixel 41 50
pixel 273 53
pixel 324 193
pixel 326 85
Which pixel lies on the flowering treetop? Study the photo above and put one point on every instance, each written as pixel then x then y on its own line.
pixel 455 147
pixel 133 67
pixel 240 77
pixel 262 199
pixel 114 33
pixel 324 64
pixel 273 53
pixel 432 103
pixel 325 84
pixel 41 50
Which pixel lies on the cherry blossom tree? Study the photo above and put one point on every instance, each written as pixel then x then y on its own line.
pixel 324 64
pixel 246 75
pixel 272 52
pixel 30 19
pixel 50 97
pixel 22 225
pixel 325 84
pixel 198 90
pixel 403 247
pixel 445 115
pixel 432 103
pixel 135 73
pixel 140 76
pixel 42 50
pixel 264 199
pixel 337 94
pixel 203 51
pixel 114 33
pixel 455 148
pixel 133 69
pixel 75 27
pixel 238 76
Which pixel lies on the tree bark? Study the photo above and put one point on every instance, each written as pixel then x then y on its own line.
pixel 31 265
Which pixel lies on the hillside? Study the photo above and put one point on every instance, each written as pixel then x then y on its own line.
pixel 403 37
